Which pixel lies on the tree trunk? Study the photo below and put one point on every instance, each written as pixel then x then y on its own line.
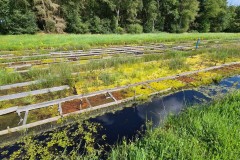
pixel 118 17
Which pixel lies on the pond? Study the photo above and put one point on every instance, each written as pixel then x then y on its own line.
pixel 131 121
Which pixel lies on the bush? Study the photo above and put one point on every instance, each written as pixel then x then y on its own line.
pixel 100 25
pixel 120 30
pixel 50 25
pixel 134 28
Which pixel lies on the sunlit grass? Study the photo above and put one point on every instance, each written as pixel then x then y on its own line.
pixel 73 41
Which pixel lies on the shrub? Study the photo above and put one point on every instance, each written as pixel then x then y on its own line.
pixel 134 28
pixel 100 25
pixel 120 30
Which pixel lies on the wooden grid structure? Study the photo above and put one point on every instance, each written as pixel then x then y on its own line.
pixel 59 102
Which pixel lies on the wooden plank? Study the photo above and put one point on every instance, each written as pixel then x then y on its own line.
pixel 23 84
pixel 25 118
pixel 8 110
pixel 60 108
pixel 20 66
pixel 29 56
pixel 32 93
pixel 112 96
pixel 6 55
pixel 21 62
pixel 88 102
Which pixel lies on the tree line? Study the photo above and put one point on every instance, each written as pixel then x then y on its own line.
pixel 117 16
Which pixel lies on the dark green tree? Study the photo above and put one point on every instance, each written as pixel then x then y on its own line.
pixel 16 17
pixel 187 10
pixel 212 16
pixel 233 19
pixel 150 14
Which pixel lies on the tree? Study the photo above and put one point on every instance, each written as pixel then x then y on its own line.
pixel 16 17
pixel 233 19
pixel 212 16
pixel 167 19
pixel 126 11
pixel 187 10
pixel 72 14
pixel 48 16
pixel 150 9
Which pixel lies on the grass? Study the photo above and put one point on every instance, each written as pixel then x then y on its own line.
pixel 202 132
pixel 73 41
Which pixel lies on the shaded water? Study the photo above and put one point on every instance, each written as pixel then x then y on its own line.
pixel 129 121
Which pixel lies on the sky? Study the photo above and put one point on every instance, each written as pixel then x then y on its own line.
pixel 234 2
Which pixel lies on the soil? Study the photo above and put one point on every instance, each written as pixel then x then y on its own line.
pixel 100 100
pixel 118 95
pixel 185 79
pixel 74 105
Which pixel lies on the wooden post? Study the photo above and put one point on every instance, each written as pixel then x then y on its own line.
pixel 88 102
pixel 60 109
pixel 112 96
pixel 25 118
pixel 134 95
pixel 81 102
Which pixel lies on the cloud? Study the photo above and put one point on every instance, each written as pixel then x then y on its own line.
pixel 234 2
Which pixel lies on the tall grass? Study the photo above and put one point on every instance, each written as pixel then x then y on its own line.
pixel 202 132
pixel 223 52
pixel 73 41
pixel 8 78
pixel 178 62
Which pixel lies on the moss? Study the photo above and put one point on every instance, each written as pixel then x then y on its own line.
pixel 163 85
pixel 142 90
pixel 42 113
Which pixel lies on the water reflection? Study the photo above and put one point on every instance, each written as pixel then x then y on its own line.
pixel 127 122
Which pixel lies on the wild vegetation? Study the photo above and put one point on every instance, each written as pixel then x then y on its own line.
pixel 111 16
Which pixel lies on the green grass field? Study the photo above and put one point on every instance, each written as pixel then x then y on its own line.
pixel 73 41
pixel 200 132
